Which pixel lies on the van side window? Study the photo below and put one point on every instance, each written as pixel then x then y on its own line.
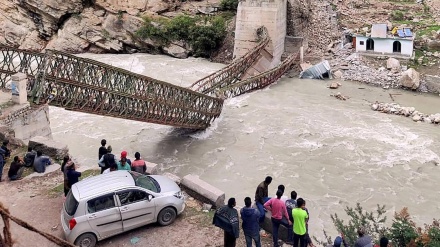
pixel 131 196
pixel 101 203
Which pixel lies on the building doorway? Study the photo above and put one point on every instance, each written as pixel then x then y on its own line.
pixel 370 45
pixel 397 47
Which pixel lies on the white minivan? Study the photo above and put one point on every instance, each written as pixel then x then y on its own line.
pixel 112 203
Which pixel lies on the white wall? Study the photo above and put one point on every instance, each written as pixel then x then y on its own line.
pixel 385 45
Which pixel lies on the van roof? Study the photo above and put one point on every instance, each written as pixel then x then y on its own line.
pixel 100 184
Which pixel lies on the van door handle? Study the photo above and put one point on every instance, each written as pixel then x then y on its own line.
pixel 124 209
pixel 92 216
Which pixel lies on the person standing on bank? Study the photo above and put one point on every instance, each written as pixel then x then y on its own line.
pixel 226 218
pixel 278 209
pixel 299 223
pixel 138 165
pixel 107 160
pixel 102 149
pixel 251 228
pixel 261 196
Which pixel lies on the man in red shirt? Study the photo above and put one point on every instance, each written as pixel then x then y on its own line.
pixel 279 216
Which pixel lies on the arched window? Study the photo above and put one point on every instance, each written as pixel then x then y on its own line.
pixel 370 45
pixel 397 46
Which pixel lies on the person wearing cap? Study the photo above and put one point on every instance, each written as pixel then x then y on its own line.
pixel 72 175
pixel 102 149
pixel 124 155
pixel 107 160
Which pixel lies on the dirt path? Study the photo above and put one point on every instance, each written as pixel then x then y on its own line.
pixel 36 201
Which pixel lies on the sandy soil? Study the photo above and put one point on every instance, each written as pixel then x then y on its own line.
pixel 36 201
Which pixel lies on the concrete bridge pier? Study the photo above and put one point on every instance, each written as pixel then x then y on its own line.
pixel 252 14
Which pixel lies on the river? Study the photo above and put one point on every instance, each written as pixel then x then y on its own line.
pixel 333 153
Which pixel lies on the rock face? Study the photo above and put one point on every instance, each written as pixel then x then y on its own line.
pixel 49 147
pixel 79 25
pixel 176 50
pixel 410 79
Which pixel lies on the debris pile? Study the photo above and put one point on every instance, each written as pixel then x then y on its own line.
pixel 396 109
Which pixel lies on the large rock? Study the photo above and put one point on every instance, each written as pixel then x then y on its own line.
pixel 176 51
pixel 434 45
pixel 337 74
pixel 203 191
pixel 410 79
pixel 432 83
pixel 49 147
pixel 393 64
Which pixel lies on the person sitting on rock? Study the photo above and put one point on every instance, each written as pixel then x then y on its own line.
pixel 122 165
pixel 138 165
pixel 29 157
pixel 16 169
pixel 40 162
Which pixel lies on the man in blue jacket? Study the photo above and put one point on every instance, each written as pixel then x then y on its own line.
pixel 251 227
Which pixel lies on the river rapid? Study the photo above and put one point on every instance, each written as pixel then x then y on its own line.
pixel 333 153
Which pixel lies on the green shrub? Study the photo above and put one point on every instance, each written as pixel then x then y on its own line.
pixel 403 231
pixel 397 15
pixel 229 4
pixel 204 35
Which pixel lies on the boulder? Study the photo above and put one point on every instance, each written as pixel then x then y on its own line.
pixel 176 51
pixel 203 191
pixel 410 79
pixel 337 74
pixel 49 147
pixel 334 85
pixel 434 44
pixel 152 168
pixel 393 64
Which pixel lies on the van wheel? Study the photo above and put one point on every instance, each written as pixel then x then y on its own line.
pixel 86 240
pixel 166 216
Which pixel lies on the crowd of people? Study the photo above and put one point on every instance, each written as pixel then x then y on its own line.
pixel 31 159
pixel 289 212
pixel 107 161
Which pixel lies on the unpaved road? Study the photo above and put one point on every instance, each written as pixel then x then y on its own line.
pixel 34 201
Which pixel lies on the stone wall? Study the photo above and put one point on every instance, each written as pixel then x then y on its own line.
pixel 28 122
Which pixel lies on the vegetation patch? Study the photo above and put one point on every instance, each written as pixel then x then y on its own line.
pixel 427 30
pixel 403 231
pixel 203 34
pixel 229 4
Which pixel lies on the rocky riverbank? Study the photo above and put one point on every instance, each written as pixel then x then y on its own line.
pixel 396 109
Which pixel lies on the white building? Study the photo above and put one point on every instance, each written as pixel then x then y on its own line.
pixel 383 43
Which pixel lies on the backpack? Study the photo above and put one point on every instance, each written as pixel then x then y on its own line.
pixel 109 159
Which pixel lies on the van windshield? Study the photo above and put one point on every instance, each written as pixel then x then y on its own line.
pixel 145 182
pixel 70 204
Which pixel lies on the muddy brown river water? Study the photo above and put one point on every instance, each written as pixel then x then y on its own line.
pixel 333 153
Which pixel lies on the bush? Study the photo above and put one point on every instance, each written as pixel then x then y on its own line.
pixel 397 15
pixel 204 35
pixel 229 4
pixel 403 231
